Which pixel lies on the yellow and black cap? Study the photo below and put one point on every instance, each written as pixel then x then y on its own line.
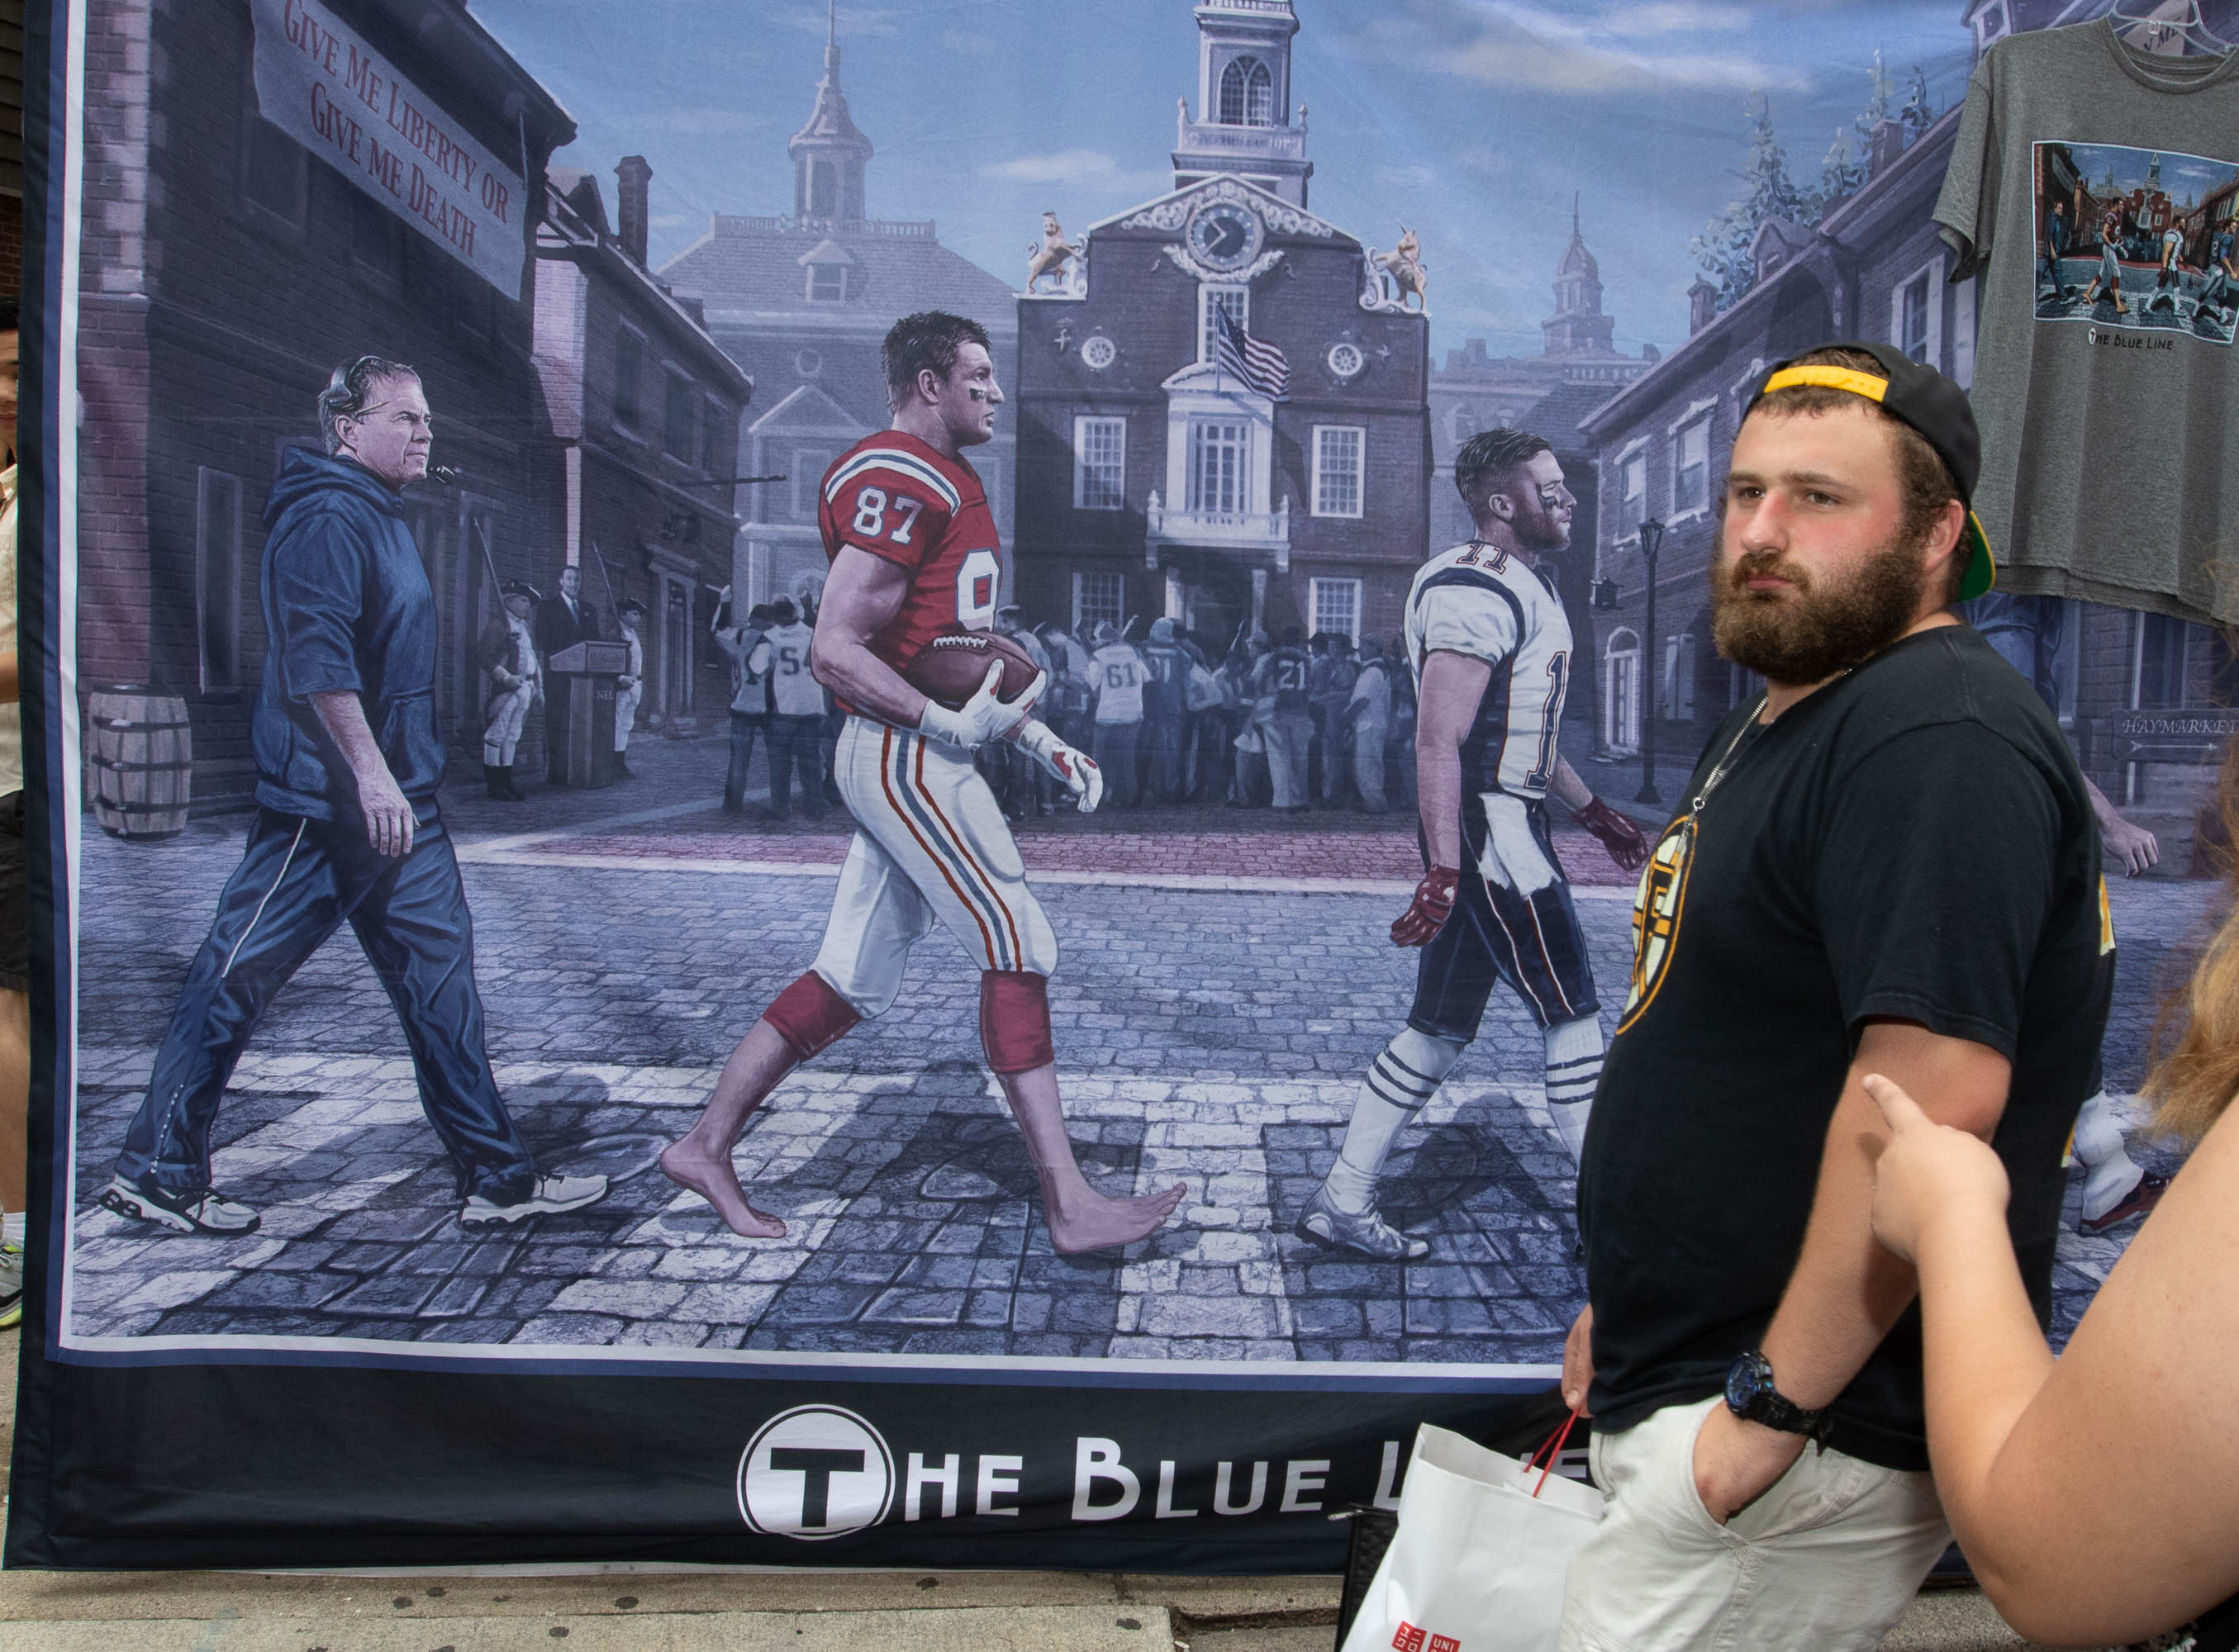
pixel 1918 395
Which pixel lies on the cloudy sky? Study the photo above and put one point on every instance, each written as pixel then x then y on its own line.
pixel 1474 120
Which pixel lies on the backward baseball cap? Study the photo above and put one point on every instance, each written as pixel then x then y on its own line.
pixel 1917 394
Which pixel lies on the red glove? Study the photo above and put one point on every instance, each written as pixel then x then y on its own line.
pixel 1433 903
pixel 1619 834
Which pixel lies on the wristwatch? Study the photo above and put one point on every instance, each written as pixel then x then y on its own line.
pixel 1751 1396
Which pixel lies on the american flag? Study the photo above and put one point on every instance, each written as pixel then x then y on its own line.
pixel 1258 363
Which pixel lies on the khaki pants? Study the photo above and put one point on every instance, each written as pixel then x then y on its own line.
pixel 1827 1559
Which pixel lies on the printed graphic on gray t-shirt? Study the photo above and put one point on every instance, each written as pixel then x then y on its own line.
pixel 2097 186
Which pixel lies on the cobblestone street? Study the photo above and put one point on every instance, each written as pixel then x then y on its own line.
pixel 1221 987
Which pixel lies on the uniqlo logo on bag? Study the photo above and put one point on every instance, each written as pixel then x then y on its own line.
pixel 1410 1638
pixel 1445 1643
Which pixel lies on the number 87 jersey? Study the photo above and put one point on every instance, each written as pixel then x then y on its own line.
pixel 901 501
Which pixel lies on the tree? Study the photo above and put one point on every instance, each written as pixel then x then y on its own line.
pixel 1918 113
pixel 1841 172
pixel 1877 104
pixel 1722 248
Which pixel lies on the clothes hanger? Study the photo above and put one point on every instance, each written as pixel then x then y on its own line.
pixel 2156 25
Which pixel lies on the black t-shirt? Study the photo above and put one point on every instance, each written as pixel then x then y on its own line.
pixel 1912 842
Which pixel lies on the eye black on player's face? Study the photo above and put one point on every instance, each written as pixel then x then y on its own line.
pixel 968 398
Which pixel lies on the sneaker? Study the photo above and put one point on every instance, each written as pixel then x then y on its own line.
pixel 1324 1224
pixel 11 1284
pixel 551 1195
pixel 207 1211
pixel 2139 1200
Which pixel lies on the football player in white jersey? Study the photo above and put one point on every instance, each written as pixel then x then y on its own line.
pixel 1490 648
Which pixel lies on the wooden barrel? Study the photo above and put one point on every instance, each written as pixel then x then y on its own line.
pixel 141 749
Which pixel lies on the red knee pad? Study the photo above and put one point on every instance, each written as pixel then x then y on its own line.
pixel 1014 1023
pixel 810 1016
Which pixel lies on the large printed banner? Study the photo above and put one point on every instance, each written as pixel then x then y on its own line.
pixel 527 1075
pixel 321 83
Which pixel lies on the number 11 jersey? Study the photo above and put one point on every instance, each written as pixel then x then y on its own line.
pixel 1479 600
pixel 893 496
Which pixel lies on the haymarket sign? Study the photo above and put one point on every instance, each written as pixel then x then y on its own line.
pixel 319 82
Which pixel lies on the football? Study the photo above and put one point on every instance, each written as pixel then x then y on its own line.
pixel 949 670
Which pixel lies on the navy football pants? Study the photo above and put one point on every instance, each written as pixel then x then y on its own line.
pixel 299 880
pixel 1497 933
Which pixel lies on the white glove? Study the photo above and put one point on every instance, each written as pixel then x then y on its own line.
pixel 983 717
pixel 1077 769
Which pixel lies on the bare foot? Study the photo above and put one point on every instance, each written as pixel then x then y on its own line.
pixel 714 1181
pixel 1099 1222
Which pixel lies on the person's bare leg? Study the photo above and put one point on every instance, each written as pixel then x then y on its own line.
pixel 14 1096
pixel 700 1158
pixel 1081 1218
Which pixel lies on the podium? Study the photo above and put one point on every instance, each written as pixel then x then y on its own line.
pixel 579 709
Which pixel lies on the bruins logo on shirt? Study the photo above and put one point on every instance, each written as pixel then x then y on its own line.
pixel 1656 909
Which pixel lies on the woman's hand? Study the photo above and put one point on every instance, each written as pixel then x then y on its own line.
pixel 1926 1169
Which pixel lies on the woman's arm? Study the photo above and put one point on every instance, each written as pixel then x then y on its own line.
pixel 2096 1497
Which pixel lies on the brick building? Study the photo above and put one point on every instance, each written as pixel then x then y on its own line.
pixel 227 268
pixel 803 302
pixel 644 410
pixel 1151 480
pixel 1875 267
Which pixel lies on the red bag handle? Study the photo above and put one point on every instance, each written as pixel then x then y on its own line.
pixel 1552 1449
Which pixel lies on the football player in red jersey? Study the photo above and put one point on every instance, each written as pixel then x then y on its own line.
pixel 912 548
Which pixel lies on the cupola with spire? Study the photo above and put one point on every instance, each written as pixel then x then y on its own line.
pixel 1578 324
pixel 830 153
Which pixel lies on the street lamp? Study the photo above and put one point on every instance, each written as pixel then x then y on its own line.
pixel 1652 540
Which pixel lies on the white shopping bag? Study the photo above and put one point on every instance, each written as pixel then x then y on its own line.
pixel 1477 1563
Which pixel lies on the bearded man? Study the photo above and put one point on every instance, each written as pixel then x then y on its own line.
pixel 1889 865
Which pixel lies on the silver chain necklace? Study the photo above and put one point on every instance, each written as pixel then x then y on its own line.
pixel 1726 758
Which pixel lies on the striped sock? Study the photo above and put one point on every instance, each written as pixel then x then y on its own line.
pixel 1574 1068
pixel 1397 1083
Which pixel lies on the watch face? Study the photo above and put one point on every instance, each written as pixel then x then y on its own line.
pixel 1225 235
pixel 1750 1375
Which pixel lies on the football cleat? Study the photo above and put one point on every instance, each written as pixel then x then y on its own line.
pixel 551 1196
pixel 11 1284
pixel 1323 1224
pixel 206 1212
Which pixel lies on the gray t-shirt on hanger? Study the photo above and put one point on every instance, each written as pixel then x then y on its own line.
pixel 2109 409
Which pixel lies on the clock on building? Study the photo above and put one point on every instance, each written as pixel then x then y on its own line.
pixel 1224 237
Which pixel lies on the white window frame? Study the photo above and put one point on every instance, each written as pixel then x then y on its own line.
pixel 1932 275
pixel 212 488
pixel 1350 593
pixel 1359 433
pixel 1194 499
pixel 1084 427
pixel 1635 450
pixel 807 469
pixel 1697 417
pixel 1205 290
pixel 1083 621
pixel 1621 703
pixel 808 291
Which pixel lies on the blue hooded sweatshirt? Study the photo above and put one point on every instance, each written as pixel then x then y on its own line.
pixel 347 608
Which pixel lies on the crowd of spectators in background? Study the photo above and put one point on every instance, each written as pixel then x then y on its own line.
pixel 1283 722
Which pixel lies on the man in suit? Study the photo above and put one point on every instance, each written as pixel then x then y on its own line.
pixel 566 619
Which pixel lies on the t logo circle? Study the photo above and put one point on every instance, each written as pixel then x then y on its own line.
pixel 814 1472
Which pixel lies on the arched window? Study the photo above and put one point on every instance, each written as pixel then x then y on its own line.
pixel 1247 94
pixel 1462 423
pixel 1260 97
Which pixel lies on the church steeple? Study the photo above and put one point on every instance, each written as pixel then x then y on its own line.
pixel 1577 325
pixel 1244 123
pixel 829 153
